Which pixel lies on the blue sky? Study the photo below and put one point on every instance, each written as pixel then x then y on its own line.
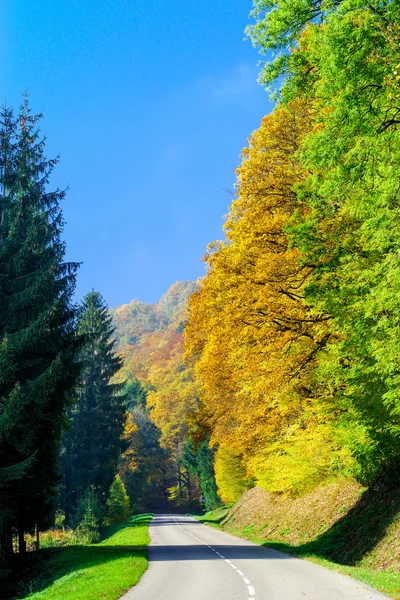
pixel 149 104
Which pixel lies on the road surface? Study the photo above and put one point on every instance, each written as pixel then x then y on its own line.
pixel 189 561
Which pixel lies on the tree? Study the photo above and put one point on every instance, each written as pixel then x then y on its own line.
pixel 135 394
pixel 230 474
pixel 93 444
pixel 144 466
pixel 344 55
pixel 200 462
pixel 88 517
pixel 172 399
pixel 117 507
pixel 250 333
pixel 38 345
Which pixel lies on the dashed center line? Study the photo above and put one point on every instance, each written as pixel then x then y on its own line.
pixel 245 580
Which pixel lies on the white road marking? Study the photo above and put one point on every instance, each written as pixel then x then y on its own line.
pixel 246 581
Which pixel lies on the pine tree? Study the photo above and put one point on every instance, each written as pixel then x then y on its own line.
pixel 38 345
pixel 93 444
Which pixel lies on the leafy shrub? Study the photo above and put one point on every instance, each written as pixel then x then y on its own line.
pixel 88 518
pixel 53 538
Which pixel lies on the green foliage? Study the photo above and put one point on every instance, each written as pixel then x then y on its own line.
pixel 38 345
pixel 144 464
pixel 201 463
pixel 118 506
pixel 53 538
pixel 102 571
pixel 352 232
pixel 59 518
pixel 92 446
pixel 342 58
pixel 87 517
pixel 135 394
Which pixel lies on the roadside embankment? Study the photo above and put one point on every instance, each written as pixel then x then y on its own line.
pixel 340 525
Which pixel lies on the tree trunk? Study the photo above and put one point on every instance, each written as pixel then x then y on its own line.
pixel 21 540
pixel 37 537
pixel 178 473
pixel 189 491
pixel 6 548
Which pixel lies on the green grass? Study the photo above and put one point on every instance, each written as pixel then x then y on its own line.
pixel 387 582
pixel 213 517
pixel 101 571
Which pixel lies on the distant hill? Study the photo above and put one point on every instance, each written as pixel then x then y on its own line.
pixel 136 319
pixel 161 395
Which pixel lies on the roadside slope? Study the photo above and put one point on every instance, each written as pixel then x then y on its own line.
pixel 340 524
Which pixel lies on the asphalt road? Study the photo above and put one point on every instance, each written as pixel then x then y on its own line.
pixel 189 561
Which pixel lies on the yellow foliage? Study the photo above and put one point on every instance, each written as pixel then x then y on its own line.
pixel 129 459
pixel 230 474
pixel 173 394
pixel 250 335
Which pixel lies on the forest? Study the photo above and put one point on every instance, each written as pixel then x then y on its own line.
pixel 278 369
pixel 290 374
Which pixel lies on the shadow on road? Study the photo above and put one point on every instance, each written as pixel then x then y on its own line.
pixel 202 552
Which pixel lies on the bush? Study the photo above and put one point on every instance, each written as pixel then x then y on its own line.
pixel 117 507
pixel 52 538
pixel 88 518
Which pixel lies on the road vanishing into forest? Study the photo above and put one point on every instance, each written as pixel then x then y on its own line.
pixel 190 561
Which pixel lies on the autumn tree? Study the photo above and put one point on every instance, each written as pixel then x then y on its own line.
pixel 345 56
pixel 253 338
pixel 144 465
pixel 161 397
pixel 172 399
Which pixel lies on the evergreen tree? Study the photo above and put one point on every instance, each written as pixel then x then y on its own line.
pixel 200 462
pixel 38 345
pixel 118 506
pixel 93 444
pixel 135 393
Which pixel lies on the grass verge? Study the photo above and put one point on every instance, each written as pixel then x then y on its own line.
pixel 387 582
pixel 102 571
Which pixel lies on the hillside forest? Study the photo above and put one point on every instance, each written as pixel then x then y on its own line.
pixel 279 369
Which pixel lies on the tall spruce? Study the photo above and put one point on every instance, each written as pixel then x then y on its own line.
pixel 38 344
pixel 93 445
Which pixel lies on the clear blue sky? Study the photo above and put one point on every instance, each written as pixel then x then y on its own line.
pixel 149 103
